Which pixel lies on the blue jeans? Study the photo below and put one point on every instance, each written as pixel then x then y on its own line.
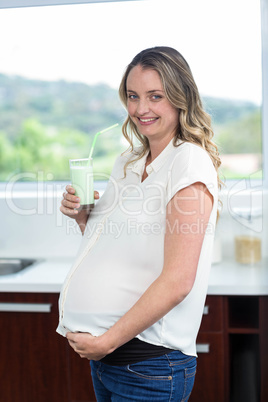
pixel 166 378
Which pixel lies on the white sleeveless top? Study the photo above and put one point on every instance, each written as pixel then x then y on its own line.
pixel 122 250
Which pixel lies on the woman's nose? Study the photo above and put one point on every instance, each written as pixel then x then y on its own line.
pixel 143 106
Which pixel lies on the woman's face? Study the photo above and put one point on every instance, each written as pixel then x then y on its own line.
pixel 148 107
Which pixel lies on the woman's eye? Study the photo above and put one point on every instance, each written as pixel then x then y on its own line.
pixel 132 97
pixel 156 97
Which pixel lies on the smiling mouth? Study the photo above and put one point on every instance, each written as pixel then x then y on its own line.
pixel 147 120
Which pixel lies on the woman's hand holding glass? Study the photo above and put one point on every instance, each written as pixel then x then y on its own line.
pixel 70 207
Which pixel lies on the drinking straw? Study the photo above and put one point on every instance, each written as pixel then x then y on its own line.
pixel 95 139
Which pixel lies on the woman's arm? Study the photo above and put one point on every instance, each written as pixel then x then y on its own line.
pixel 187 217
pixel 70 204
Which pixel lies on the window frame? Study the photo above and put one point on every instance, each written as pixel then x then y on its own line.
pixel 264 38
pixel 36 3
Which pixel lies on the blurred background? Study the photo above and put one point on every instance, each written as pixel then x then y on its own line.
pixel 60 68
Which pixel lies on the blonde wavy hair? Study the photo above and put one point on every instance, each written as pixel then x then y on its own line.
pixel 194 123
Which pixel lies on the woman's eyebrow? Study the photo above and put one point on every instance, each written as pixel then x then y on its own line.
pixel 148 92
pixel 155 90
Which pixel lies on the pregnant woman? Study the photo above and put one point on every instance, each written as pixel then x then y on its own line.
pixel 133 301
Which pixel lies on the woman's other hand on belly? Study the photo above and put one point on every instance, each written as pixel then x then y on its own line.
pixel 86 345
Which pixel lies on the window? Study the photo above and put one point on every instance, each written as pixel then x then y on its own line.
pixel 61 67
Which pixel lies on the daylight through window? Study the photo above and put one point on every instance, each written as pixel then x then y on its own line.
pixel 61 67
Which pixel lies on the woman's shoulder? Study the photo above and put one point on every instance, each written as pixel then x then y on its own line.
pixel 191 161
pixel 192 153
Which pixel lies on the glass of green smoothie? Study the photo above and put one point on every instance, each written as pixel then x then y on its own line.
pixel 81 171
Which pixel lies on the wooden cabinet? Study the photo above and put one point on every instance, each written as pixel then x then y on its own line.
pixel 232 349
pixel 247 346
pixel 81 388
pixel 210 381
pixel 37 364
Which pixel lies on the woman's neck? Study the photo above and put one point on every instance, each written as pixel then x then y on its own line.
pixel 156 147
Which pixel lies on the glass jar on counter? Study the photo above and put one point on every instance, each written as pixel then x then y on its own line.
pixel 248 248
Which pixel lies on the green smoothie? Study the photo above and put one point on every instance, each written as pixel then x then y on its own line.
pixel 81 171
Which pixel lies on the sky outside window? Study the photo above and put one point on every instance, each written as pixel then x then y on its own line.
pixel 94 42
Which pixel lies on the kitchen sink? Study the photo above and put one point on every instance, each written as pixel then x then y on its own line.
pixel 10 266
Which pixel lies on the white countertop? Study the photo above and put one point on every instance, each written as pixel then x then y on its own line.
pixel 44 276
pixel 231 278
pixel 226 278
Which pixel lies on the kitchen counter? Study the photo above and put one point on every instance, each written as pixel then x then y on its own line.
pixel 232 278
pixel 226 278
pixel 45 276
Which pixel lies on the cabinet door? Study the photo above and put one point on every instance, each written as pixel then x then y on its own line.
pixel 209 381
pixel 33 364
pixel 210 377
pixel 81 387
pixel 264 347
pixel 212 320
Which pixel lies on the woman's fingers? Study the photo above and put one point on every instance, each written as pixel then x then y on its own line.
pixel 68 211
pixel 70 202
pixel 70 197
pixel 73 204
pixel 70 189
pixel 70 192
